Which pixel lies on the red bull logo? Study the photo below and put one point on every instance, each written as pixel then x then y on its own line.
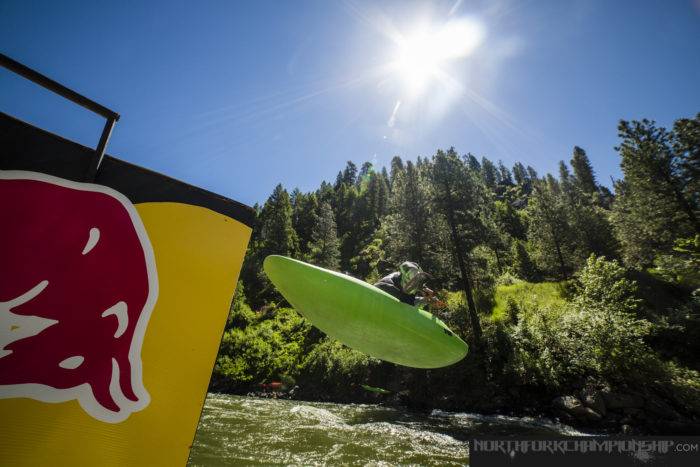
pixel 77 287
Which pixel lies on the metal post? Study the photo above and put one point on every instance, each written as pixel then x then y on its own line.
pixel 46 82
pixel 100 151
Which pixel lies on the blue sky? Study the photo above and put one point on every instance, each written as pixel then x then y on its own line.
pixel 238 96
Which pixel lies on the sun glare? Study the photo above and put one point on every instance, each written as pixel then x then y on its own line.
pixel 423 54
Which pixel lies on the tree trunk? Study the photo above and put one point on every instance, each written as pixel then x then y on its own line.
pixel 465 270
pixel 562 266
pixel 550 220
pixel 498 260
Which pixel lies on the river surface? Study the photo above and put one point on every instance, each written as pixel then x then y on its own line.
pixel 236 430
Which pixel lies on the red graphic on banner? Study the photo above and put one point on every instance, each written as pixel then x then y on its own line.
pixel 77 286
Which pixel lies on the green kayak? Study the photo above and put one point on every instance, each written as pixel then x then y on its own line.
pixel 363 317
pixel 376 390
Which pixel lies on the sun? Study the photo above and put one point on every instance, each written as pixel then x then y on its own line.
pixel 417 61
pixel 423 55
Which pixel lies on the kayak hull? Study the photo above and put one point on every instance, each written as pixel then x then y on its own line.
pixel 363 317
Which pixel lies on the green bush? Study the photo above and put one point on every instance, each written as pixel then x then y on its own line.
pixel 507 279
pixel 455 314
pixel 561 345
pixel 682 265
pixel 333 368
pixel 265 350
pixel 499 354
pixel 603 284
pixel 682 385
pixel 595 335
pixel 240 315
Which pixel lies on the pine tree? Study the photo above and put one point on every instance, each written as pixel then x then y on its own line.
pixel 458 199
pixel 367 263
pixel 346 209
pixel 495 237
pixel 652 207
pixel 369 208
pixel 338 180
pixel 522 264
pixel 409 235
pixel 385 176
pixel 489 173
pixel 686 146
pixel 588 227
pixel 648 157
pixel 552 184
pixel 252 263
pixel 564 174
pixel 473 163
pixel 377 196
pixel 520 174
pixel 324 247
pixel 583 171
pixel 304 210
pixel 506 177
pixel 365 171
pixel 396 167
pixel 565 180
pixel 325 193
pixel 549 232
pixel 532 173
pixel 508 220
pixel 277 235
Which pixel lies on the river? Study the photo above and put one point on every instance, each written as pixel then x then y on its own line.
pixel 236 430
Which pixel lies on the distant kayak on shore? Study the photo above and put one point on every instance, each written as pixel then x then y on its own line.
pixel 375 389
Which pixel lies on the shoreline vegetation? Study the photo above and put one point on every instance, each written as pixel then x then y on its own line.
pixel 579 302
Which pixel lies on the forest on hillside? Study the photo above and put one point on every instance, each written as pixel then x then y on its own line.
pixel 571 296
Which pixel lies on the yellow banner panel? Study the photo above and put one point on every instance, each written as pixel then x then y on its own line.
pixel 198 254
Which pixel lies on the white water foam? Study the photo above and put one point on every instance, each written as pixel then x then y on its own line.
pixel 473 420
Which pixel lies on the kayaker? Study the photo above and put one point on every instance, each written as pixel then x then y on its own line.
pixel 407 283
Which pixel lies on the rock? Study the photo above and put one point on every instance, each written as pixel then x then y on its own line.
pixel 661 409
pixel 594 400
pixel 618 400
pixel 590 415
pixel 573 407
pixel 566 403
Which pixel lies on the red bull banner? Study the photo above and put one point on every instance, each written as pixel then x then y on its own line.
pixel 113 298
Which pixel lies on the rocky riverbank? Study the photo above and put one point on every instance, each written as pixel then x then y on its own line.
pixel 626 413
pixel 597 410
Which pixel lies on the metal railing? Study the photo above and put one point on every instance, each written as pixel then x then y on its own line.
pixel 46 82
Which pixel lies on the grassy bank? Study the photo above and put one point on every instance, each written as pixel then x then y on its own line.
pixel 527 295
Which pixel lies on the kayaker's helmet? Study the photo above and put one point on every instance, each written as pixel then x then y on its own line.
pixel 412 277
